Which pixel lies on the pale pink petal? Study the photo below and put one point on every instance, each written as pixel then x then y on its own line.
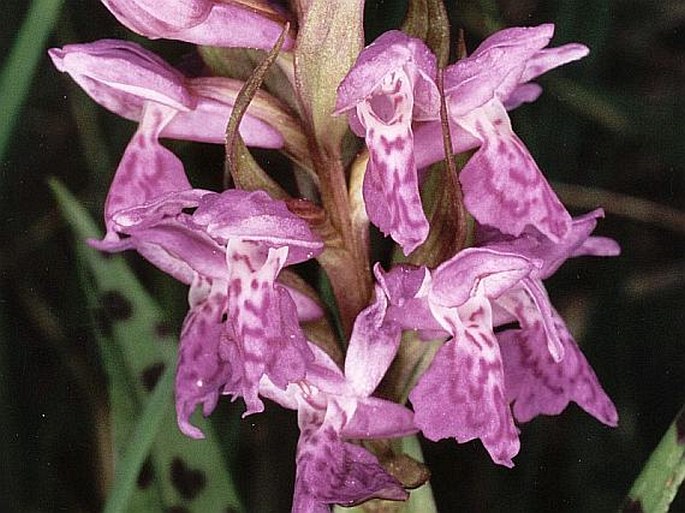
pixel 202 22
pixel 488 272
pixel 331 471
pixel 264 319
pixel 146 171
pixel 255 216
pixel 373 345
pixel 121 76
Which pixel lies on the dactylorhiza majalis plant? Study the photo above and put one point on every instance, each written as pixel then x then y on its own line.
pixel 504 354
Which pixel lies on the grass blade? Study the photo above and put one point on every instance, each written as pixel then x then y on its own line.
pixel 21 64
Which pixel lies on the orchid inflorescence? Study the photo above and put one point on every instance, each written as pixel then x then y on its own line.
pixel 492 350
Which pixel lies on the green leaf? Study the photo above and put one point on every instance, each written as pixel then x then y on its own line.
pixel 657 485
pixel 137 354
pixel 21 64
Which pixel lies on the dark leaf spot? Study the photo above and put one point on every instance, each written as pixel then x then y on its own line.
pixel 230 509
pixel 680 427
pixel 633 506
pixel 151 375
pixel 163 329
pixel 116 306
pixel 146 474
pixel 188 482
pixel 177 509
pixel 104 323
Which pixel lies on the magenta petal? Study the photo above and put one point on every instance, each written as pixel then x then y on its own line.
pixel 598 246
pixel 149 16
pixel 428 144
pixel 206 122
pixel 231 25
pixel 549 58
pixel 202 371
pixel 391 188
pixel 539 385
pixel 392 51
pixel 534 245
pixel 378 418
pixel 503 186
pixel 462 394
pixel 525 93
pixel 264 319
pixel 330 471
pixel 495 68
pixel 307 308
pixel 146 171
pixel 406 288
pixel 489 271
pixel 180 252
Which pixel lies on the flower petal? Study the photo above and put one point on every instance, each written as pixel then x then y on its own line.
pixel 255 216
pixel 503 186
pixel 488 271
pixel 392 51
pixel 330 471
pixel 373 345
pixel 462 393
pixel 206 122
pixel 539 385
pixel 147 170
pixel 264 319
pixel 535 245
pixel 202 369
pixel 121 76
pixel 202 22
pixel 391 189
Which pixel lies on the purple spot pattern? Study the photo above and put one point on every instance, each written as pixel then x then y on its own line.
pixel 268 339
pixel 146 171
pixel 462 394
pixel 391 190
pixel 503 186
pixel 331 471
pixel 204 366
pixel 466 391
pixel 538 385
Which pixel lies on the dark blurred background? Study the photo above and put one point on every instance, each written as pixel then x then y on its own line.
pixel 609 131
